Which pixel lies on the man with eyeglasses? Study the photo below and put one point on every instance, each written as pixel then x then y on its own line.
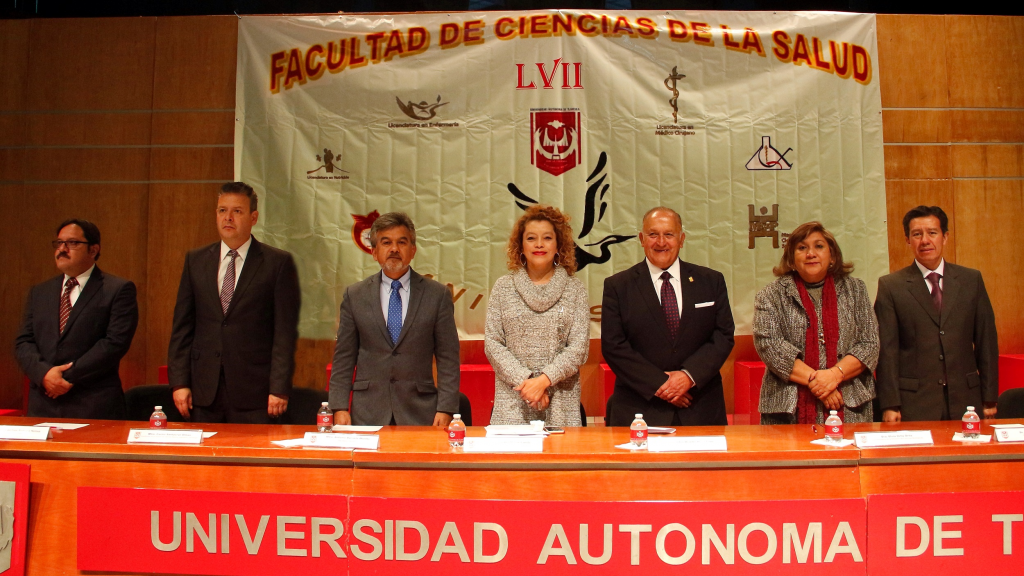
pixel 76 328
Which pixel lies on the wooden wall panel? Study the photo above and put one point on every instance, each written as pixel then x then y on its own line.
pixel 988 160
pixel 194 128
pixel 984 55
pixel 915 126
pixel 13 63
pixel 103 129
pixel 988 219
pixel 181 217
pixel 917 162
pixel 195 62
pixel 901 196
pixel 86 164
pixel 911 73
pixel 987 126
pixel 193 164
pixel 13 291
pixel 91 64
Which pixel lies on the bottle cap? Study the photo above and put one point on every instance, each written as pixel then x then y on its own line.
pixel 970 408
pixel 639 416
pixel 459 416
pixel 158 408
pixel 833 413
pixel 323 403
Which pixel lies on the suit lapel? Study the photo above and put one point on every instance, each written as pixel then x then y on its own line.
pixel 91 288
pixel 950 292
pixel 251 267
pixel 918 289
pixel 642 279
pixel 372 303
pixel 415 298
pixel 209 268
pixel 689 296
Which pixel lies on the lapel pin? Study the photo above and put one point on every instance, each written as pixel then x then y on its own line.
pixel 691 278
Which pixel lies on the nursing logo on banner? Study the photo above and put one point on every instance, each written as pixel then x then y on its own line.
pixel 555 139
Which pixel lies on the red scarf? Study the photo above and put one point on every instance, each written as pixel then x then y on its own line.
pixel 807 403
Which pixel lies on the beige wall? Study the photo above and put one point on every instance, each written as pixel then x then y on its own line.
pixel 129 123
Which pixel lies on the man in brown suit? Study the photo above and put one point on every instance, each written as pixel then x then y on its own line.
pixel 939 352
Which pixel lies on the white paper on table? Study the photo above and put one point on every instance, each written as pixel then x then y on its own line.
pixel 25 433
pixel 148 436
pixel 503 444
pixel 840 444
pixel 341 441
pixel 630 446
pixel 513 430
pixel 62 425
pixel 900 438
pixel 1007 426
pixel 687 444
pixel 354 429
pixel 981 439
pixel 293 443
pixel 660 430
pixel 208 434
pixel 1010 434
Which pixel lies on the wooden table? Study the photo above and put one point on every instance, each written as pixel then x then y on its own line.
pixel 762 463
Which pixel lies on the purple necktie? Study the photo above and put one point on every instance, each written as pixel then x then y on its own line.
pixel 933 279
pixel 669 305
pixel 227 289
pixel 65 302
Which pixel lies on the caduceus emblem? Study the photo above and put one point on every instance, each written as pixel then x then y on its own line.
pixel 674 100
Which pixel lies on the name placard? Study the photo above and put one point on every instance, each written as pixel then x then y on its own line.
pixel 504 444
pixel 343 441
pixel 1009 434
pixel 25 433
pixel 900 438
pixel 687 444
pixel 147 436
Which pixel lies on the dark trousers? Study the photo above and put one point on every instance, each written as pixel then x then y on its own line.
pixel 221 411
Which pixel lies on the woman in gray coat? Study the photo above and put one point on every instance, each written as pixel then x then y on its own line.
pixel 816 332
pixel 538 324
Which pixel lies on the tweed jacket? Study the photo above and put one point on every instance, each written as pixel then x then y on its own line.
pixel 533 330
pixel 780 328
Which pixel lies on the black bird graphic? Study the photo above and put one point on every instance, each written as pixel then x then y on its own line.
pixel 590 213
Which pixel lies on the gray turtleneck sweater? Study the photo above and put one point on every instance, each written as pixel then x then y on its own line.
pixel 532 330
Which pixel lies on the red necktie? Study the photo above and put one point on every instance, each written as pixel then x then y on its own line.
pixel 65 302
pixel 669 305
pixel 933 279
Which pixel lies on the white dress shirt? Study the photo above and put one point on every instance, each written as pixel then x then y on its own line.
pixel 940 269
pixel 674 282
pixel 385 293
pixel 243 251
pixel 77 290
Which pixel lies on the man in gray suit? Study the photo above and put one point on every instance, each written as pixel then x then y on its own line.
pixel 939 352
pixel 393 325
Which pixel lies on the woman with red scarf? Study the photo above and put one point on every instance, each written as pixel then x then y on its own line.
pixel 815 330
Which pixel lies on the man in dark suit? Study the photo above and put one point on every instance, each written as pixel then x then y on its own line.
pixel 232 350
pixel 76 329
pixel 393 325
pixel 939 351
pixel 666 330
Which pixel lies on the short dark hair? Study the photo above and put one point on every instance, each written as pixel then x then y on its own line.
pixel 389 221
pixel 244 189
pixel 924 212
pixel 91 231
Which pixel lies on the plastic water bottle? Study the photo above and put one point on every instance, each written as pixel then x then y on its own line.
pixel 324 419
pixel 456 431
pixel 971 423
pixel 833 428
pixel 638 431
pixel 159 420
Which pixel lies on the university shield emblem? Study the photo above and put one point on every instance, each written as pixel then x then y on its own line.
pixel 555 140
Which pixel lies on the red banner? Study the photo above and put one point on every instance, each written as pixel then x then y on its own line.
pixel 912 534
pixel 231 533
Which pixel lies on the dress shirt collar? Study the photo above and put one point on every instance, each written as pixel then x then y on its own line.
pixel 657 272
pixel 941 268
pixel 405 279
pixel 243 250
pixel 82 278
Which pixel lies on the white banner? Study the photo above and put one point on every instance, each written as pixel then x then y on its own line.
pixel 746 123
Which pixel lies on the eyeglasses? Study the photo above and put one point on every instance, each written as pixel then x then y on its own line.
pixel 71 244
